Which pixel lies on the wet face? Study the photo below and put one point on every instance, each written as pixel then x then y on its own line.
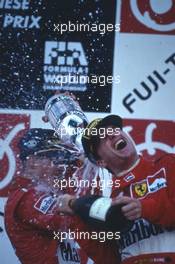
pixel 117 151
pixel 41 168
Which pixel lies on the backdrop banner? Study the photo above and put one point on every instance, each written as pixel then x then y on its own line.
pixel 43 50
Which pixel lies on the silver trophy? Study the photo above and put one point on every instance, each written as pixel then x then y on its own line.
pixel 67 119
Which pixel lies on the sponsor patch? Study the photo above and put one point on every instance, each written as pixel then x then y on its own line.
pixel 157 181
pixel 140 189
pixel 68 252
pixel 151 184
pixel 44 203
pixel 129 177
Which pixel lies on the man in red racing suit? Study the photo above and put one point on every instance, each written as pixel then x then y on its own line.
pixel 147 193
pixel 32 218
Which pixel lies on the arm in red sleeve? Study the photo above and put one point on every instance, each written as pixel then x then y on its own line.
pixel 40 210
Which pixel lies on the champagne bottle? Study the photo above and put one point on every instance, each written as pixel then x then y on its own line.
pixel 98 212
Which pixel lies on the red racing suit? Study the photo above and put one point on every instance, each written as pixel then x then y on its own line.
pixel 31 221
pixel 152 238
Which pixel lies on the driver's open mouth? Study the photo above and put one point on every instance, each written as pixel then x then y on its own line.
pixel 120 144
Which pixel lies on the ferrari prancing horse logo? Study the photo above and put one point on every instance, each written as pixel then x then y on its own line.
pixel 152 183
pixel 141 189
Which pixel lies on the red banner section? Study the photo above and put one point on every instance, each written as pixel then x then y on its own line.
pixel 12 127
pixel 153 138
pixel 148 17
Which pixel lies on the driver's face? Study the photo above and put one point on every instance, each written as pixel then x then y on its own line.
pixel 116 150
pixel 43 167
